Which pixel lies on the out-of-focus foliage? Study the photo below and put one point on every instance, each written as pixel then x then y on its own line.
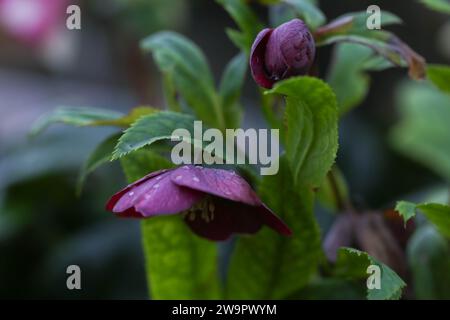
pixel 423 131
pixel 438 5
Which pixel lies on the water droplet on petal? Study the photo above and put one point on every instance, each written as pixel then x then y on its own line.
pixel 196 179
pixel 178 177
pixel 158 178
pixel 131 193
pixel 156 186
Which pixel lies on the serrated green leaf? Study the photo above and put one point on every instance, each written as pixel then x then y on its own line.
pixel 438 214
pixel 353 264
pixel 308 11
pixel 187 68
pixel 439 75
pixel 423 131
pixel 75 116
pixel 150 129
pixel 311 133
pixel 406 209
pixel 268 265
pixel 230 89
pixel 128 119
pixel 348 74
pixel 101 155
pixel 179 265
pixel 438 5
pixel 247 21
pixel 429 260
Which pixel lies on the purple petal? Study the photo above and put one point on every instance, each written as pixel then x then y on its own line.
pixel 257 59
pixel 231 217
pixel 221 183
pixel 156 195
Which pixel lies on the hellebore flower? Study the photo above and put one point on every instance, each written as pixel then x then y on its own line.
pixel 283 52
pixel 214 203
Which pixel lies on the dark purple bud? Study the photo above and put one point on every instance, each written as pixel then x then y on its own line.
pixel 283 52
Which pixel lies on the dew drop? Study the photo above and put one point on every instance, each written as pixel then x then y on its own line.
pixel 178 177
pixel 196 179
pixel 131 193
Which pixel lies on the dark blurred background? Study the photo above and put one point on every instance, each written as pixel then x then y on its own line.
pixel 44 226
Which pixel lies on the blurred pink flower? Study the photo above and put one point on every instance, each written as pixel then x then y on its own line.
pixel 32 21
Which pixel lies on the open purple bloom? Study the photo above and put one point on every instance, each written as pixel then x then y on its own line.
pixel 215 203
pixel 281 53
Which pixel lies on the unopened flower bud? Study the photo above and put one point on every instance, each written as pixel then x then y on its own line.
pixel 283 52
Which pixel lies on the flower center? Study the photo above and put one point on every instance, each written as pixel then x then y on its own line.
pixel 203 209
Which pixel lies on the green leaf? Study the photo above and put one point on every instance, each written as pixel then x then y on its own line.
pixel 101 155
pixel 271 266
pixel 406 209
pixel 348 74
pixel 429 261
pixel 128 119
pixel 308 11
pixel 150 129
pixel 353 264
pixel 439 75
pixel 85 116
pixel 179 265
pixel 423 131
pixel 352 28
pixel 246 20
pixel 185 63
pixel 76 116
pixel 230 89
pixel 311 133
pixel 438 5
pixel 438 214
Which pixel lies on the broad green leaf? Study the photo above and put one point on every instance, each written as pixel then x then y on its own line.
pixel 353 264
pixel 179 265
pixel 187 68
pixel 230 89
pixel 308 11
pixel 439 75
pixel 438 5
pixel 76 116
pixel 311 133
pixel 268 265
pixel 429 260
pixel 150 129
pixel 348 74
pixel 438 214
pixel 101 155
pixel 246 20
pixel 423 131
pixel 352 28
pixel 86 116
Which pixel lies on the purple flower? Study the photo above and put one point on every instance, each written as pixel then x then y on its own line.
pixel 283 52
pixel 214 203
